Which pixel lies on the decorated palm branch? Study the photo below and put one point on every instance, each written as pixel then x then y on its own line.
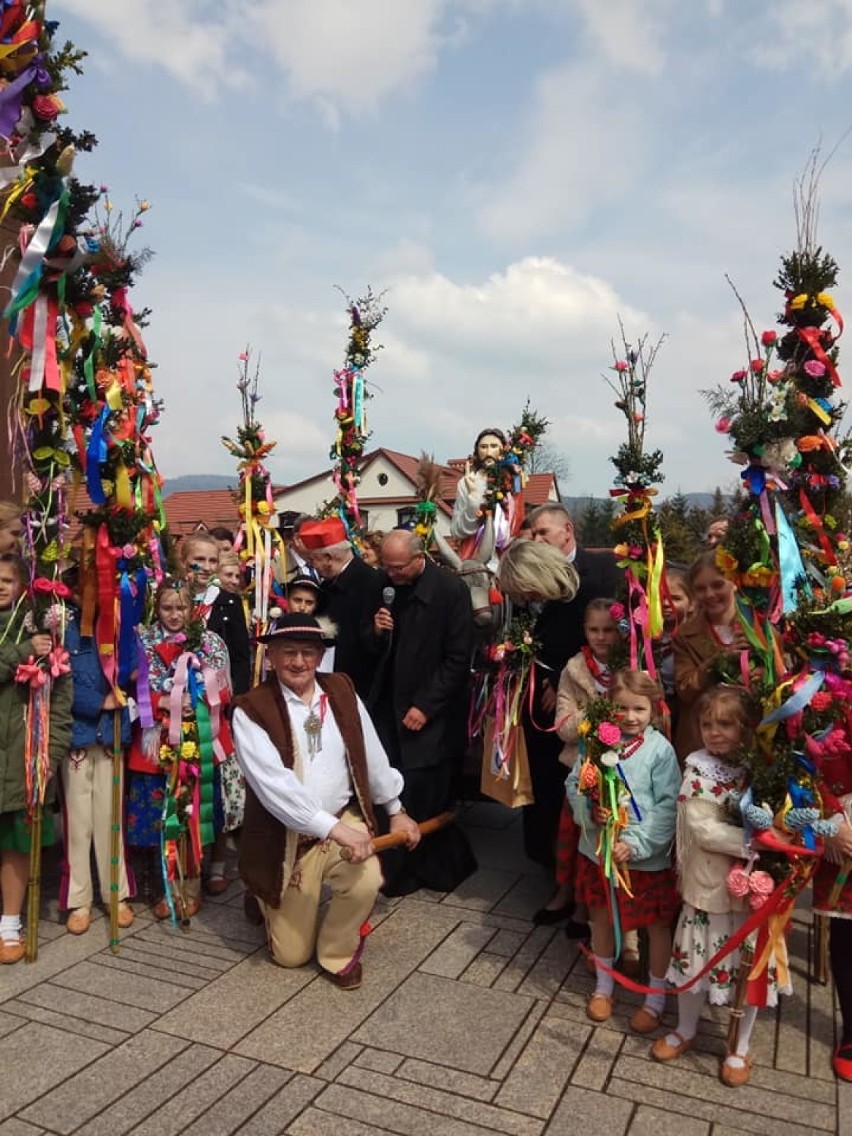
pixel 640 545
pixel 258 541
pixel 785 549
pixel 427 486
pixel 352 393
pixel 85 395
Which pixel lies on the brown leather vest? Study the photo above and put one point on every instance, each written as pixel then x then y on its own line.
pixel 263 837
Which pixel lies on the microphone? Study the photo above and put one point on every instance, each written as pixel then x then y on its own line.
pixel 388 596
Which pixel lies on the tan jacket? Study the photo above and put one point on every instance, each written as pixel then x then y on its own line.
pixel 695 648
pixel 708 844
pixel 576 690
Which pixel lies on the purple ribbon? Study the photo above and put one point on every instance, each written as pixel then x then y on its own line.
pixel 11 98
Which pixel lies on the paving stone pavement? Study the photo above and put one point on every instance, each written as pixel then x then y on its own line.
pixel 470 1021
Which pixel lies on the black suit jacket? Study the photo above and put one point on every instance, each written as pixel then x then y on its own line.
pixel 349 601
pixel 559 627
pixel 433 635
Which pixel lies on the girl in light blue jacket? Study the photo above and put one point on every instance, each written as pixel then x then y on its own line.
pixel 652 777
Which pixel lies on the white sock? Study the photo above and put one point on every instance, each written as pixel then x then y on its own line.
pixel 605 982
pixel 689 1007
pixel 656 1003
pixel 747 1023
pixel 10 928
pixel 217 869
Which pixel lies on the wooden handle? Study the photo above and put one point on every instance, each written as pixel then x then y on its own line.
pixel 394 839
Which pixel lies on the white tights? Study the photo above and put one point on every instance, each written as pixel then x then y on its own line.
pixel 690 1006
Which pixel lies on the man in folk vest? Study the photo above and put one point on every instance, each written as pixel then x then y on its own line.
pixel 314 769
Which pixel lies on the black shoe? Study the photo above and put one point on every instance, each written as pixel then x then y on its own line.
pixel 251 910
pixel 548 916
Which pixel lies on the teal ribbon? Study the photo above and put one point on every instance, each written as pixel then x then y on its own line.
pixel 789 560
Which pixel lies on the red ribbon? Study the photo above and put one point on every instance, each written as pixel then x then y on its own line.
pixel 812 336
pixel 759 919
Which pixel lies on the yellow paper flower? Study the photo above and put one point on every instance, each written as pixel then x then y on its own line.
pixel 584 727
pixel 725 562
pixel 188 750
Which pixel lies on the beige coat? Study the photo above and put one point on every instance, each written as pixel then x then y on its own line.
pixel 708 844
pixel 576 690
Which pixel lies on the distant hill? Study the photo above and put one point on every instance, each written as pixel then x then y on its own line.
pixel 193 482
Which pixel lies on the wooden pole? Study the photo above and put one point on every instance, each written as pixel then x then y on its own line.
pixel 115 848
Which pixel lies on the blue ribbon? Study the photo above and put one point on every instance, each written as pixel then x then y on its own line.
pixel 132 611
pixel 797 701
pixel 96 453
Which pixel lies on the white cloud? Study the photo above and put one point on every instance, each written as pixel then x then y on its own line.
pixel 193 50
pixel 586 138
pixel 629 35
pixel 349 55
pixel 816 35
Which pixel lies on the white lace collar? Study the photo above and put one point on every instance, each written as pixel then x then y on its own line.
pixel 714 768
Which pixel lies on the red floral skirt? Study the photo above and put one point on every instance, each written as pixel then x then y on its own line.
pixel 567 842
pixel 655 896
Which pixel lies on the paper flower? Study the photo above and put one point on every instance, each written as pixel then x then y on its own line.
pixel 609 733
pixel 738 882
pixel 761 886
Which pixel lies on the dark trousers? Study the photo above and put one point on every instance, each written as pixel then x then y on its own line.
pixel 547 773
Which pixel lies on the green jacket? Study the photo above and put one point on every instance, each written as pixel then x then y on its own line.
pixel 13 704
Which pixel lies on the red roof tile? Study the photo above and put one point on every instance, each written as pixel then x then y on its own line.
pixel 201 508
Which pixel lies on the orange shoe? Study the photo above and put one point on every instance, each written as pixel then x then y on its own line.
pixel 599 1007
pixel 644 1020
pixel 661 1050
pixel 735 1076
pixel 125 914
pixel 79 921
pixel 11 952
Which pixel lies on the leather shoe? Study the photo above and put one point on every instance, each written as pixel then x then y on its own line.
pixel 644 1020
pixel 347 979
pixel 574 929
pixel 161 910
pixel 549 916
pixel 735 1076
pixel 12 952
pixel 79 921
pixel 125 914
pixel 842 1062
pixel 599 1008
pixel 662 1051
pixel 216 885
pixel 251 910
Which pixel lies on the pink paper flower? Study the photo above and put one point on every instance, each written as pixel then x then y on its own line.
pixel 723 425
pixel 609 734
pixel 738 882
pixel 814 368
pixel 761 886
pixel 616 610
pixel 621 366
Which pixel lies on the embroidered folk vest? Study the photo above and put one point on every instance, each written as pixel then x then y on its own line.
pixel 263 837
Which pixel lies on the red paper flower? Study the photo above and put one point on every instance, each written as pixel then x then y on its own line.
pixel 47 107
pixel 769 338
pixel 621 366
pixel 757 366
pixel 738 376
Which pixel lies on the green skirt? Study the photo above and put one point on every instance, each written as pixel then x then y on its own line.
pixel 16 830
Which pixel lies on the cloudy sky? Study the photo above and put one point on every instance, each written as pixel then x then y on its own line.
pixel 516 173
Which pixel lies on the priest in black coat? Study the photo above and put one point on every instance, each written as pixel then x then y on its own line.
pixel 422 639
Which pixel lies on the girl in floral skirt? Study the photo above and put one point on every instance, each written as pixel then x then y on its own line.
pixel 174 786
pixel 709 845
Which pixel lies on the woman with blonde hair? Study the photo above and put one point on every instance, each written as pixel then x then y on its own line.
pixel 532 572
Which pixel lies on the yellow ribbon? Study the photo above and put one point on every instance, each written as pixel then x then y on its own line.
pixel 776 942
pixel 654 588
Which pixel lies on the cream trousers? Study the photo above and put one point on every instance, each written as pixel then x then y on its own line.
pixel 87 788
pixel 294 930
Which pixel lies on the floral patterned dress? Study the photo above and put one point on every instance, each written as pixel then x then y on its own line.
pixel 700 934
pixel 146 784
